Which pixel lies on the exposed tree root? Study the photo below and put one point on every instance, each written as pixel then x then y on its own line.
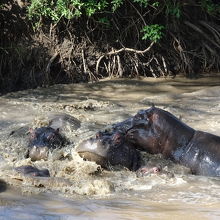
pixel 86 49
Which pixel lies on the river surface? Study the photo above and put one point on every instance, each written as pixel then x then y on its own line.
pixel 75 189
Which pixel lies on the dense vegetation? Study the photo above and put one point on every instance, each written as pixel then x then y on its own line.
pixel 43 42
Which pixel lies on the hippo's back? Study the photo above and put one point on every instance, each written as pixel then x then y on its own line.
pixel 202 154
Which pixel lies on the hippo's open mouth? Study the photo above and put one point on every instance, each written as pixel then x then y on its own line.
pixel 93 146
pixel 93 157
pixel 109 150
pixel 93 150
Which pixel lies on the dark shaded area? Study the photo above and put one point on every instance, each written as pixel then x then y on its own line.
pixel 78 51
pixel 3 186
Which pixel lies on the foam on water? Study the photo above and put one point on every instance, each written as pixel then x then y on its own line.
pixel 97 106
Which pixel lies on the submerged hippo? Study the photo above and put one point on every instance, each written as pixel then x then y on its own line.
pixel 42 140
pixel 48 138
pixel 157 131
pixel 148 170
pixel 63 121
pixel 110 149
pixel 144 171
pixel 32 171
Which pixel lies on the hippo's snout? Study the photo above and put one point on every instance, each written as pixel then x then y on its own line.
pixel 93 149
pixel 93 146
pixel 38 153
pixel 109 150
pixel 42 140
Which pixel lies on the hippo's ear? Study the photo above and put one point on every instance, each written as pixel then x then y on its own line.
pixel 57 130
pixel 152 117
pixel 149 112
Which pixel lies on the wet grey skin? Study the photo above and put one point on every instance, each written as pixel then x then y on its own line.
pixel 59 121
pixel 109 150
pixel 42 140
pixel 32 171
pixel 63 121
pixel 157 131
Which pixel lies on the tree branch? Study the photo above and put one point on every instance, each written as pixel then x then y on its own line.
pixel 122 50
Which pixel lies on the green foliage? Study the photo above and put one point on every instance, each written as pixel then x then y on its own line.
pixel 173 8
pixel 69 9
pixel 92 6
pixel 143 3
pixel 155 4
pixel 55 10
pixel 105 21
pixel 152 32
pixel 116 4
pixel 210 7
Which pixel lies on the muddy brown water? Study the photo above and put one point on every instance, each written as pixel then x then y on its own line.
pixel 75 190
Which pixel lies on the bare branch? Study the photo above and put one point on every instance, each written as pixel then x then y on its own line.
pixel 194 27
pixel 51 61
pixel 122 50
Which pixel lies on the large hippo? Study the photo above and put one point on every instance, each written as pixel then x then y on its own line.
pixel 157 131
pixel 110 149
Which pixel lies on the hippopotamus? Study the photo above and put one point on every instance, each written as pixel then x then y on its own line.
pixel 110 149
pixel 157 131
pixel 32 171
pixel 42 140
pixel 63 121
pixel 49 137
pixel 148 170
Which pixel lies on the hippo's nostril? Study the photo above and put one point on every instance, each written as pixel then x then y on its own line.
pixel 156 169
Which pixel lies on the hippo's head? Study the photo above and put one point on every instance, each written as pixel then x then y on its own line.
pixel 41 140
pixel 143 133
pixel 158 131
pixel 108 150
pixel 141 118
